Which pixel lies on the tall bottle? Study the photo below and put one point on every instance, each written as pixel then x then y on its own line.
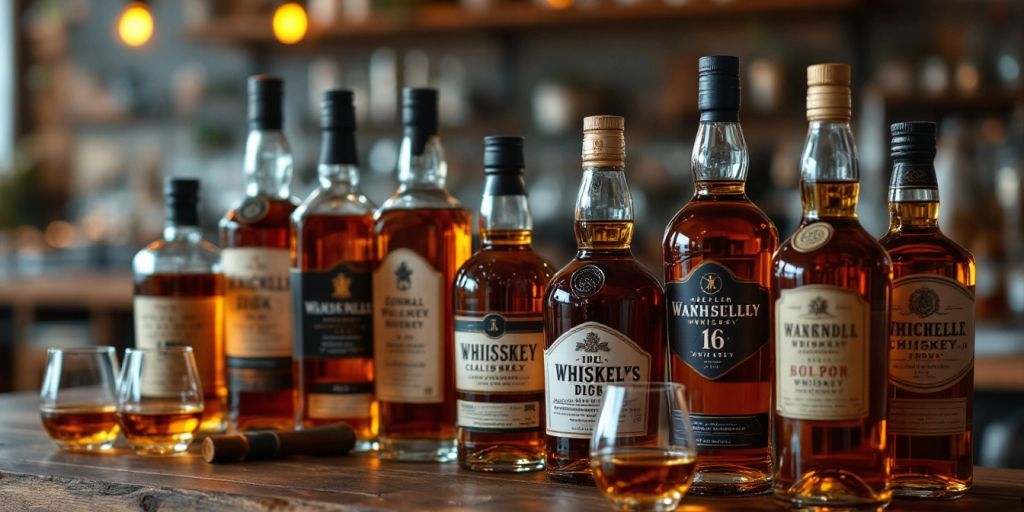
pixel 332 285
pixel 931 343
pixel 179 296
pixel 499 330
pixel 256 237
pixel 602 311
pixel 717 253
pixel 831 286
pixel 423 238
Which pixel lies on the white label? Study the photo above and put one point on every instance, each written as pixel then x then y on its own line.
pixel 257 303
pixel 931 336
pixel 499 417
pixel 408 342
pixel 332 406
pixel 178 321
pixel 499 353
pixel 927 417
pixel 823 353
pixel 578 366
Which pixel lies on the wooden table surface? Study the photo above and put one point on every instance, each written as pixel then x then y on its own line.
pixel 35 475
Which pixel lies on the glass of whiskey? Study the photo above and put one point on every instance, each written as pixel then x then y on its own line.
pixel 643 450
pixel 159 400
pixel 77 398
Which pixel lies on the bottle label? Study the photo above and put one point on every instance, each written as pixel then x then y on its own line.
pixel 931 335
pixel 812 236
pixel 340 400
pixel 718 432
pixel 717 321
pixel 498 417
pixel 334 309
pixel 179 321
pixel 927 416
pixel 408 337
pixel 823 353
pixel 258 318
pixel 578 365
pixel 499 353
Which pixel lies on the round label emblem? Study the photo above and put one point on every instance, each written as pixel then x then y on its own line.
pixel 253 209
pixel 812 236
pixel 494 325
pixel 587 281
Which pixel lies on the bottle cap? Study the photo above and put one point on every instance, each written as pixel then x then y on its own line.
pixel 912 140
pixel 182 197
pixel 503 155
pixel 419 115
pixel 266 93
pixel 718 88
pixel 604 141
pixel 338 111
pixel 828 92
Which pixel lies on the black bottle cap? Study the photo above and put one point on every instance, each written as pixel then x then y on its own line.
pixel 419 115
pixel 266 93
pixel 338 123
pixel 914 140
pixel 718 88
pixel 503 155
pixel 182 196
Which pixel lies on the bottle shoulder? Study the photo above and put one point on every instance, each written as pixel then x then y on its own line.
pixel 497 266
pixel 904 246
pixel 265 213
pixel 848 242
pixel 177 257
pixel 425 199
pixel 620 276
pixel 327 202
pixel 700 220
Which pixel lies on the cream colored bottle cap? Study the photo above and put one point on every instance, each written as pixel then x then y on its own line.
pixel 604 141
pixel 828 92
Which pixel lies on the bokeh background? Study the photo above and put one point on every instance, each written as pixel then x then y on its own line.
pixel 101 99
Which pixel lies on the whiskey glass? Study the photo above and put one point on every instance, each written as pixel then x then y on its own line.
pixel 643 451
pixel 159 400
pixel 77 401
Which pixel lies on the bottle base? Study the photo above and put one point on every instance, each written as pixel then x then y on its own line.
pixel 928 487
pixel 417 450
pixel 500 459
pixel 832 489
pixel 728 480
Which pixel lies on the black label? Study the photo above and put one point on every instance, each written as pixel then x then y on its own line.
pixel 340 388
pixel 730 432
pixel 259 374
pixel 715 320
pixel 333 313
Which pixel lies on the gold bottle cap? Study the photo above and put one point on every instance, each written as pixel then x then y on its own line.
pixel 604 141
pixel 828 92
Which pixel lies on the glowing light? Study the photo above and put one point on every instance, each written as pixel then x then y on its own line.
pixel 135 25
pixel 60 234
pixel 290 23
pixel 559 4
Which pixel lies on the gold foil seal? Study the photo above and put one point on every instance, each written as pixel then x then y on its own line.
pixel 604 141
pixel 828 92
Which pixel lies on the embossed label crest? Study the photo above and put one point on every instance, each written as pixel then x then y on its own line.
pixel 812 236
pixel 253 209
pixel 587 281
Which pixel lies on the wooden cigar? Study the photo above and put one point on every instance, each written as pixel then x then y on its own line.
pixel 337 439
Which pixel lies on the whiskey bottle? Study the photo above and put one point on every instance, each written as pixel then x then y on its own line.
pixel 717 253
pixel 499 329
pixel 257 260
pixel 604 313
pixel 931 340
pixel 332 285
pixel 423 237
pixel 831 285
pixel 179 296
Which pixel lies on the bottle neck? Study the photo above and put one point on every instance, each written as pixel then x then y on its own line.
pixel 719 160
pixel 268 164
pixel 343 178
pixel 604 211
pixel 829 171
pixel 425 170
pixel 505 221
pixel 913 196
pixel 176 233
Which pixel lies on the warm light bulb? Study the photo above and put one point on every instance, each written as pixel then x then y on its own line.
pixel 135 26
pixel 290 23
pixel 559 4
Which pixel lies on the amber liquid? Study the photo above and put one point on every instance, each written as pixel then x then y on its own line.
pixel 813 454
pixel 200 286
pixel 631 301
pixel 505 277
pixel 641 477
pixel 720 224
pixel 81 427
pixel 329 241
pixel 263 409
pixel 930 466
pixel 160 429
pixel 443 238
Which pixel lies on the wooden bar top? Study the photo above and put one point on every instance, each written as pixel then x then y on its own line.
pixel 35 475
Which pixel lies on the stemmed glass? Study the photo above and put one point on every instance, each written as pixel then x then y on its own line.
pixel 77 398
pixel 643 450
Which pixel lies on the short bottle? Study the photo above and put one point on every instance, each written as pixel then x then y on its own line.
pixel 256 256
pixel 423 237
pixel 332 286
pixel 831 285
pixel 717 254
pixel 931 341
pixel 499 330
pixel 604 313
pixel 179 296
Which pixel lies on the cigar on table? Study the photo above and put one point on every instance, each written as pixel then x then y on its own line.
pixel 337 439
